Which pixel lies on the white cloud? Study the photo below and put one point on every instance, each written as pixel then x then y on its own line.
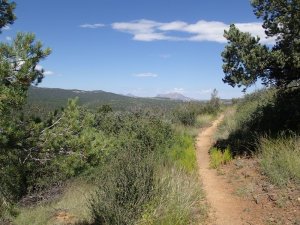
pixel 46 72
pixel 8 38
pixel 256 29
pixel 6 27
pixel 138 26
pixel 149 30
pixel 207 31
pixel 142 30
pixel 92 26
pixel 178 90
pixel 150 37
pixel 173 26
pixel 146 75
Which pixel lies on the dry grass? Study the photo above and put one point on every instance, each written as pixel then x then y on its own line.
pixel 179 200
pixel 73 203
pixel 280 159
pixel 228 125
pixel 205 120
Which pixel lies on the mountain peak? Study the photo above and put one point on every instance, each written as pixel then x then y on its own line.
pixel 174 96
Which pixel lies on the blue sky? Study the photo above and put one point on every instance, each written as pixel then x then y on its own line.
pixel 142 47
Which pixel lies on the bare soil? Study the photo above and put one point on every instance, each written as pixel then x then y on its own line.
pixel 226 208
pixel 279 206
pixel 239 194
pixel 65 218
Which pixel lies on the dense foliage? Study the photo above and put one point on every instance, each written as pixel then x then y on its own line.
pixel 266 124
pixel 187 113
pixel 263 112
pixel 246 60
pixel 7 15
pixel 18 70
pixel 120 152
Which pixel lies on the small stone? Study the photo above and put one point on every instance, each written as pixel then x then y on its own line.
pixel 273 197
pixel 265 189
pixel 245 174
pixel 256 199
pixel 271 219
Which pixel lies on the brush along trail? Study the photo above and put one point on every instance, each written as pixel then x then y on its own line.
pixel 226 208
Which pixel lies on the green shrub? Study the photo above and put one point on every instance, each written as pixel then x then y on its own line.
pixel 131 184
pixel 71 146
pixel 122 154
pixel 257 124
pixel 125 186
pixel 178 200
pixel 279 158
pixel 185 116
pixel 126 181
pixel 267 111
pixel 214 105
pixel 227 156
pixel 217 157
pixel 205 120
pixel 18 151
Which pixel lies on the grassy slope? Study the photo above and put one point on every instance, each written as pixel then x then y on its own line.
pixel 260 126
pixel 249 127
pixel 73 203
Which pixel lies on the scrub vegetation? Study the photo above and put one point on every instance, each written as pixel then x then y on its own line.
pixel 109 167
pixel 101 158
pixel 266 124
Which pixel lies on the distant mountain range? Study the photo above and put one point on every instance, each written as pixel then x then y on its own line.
pixel 48 99
pixel 131 95
pixel 174 96
pixel 55 98
pixel 41 101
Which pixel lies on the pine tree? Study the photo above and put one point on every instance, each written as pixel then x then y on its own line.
pixel 246 60
pixel 18 134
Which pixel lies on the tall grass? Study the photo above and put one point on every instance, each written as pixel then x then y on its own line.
pixel 228 125
pixel 150 189
pixel 205 120
pixel 7 210
pixel 255 127
pixel 124 187
pixel 182 153
pixel 280 158
pixel 179 200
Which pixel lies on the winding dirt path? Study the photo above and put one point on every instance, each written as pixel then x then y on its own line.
pixel 226 208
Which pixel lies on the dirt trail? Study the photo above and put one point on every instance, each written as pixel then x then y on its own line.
pixel 226 208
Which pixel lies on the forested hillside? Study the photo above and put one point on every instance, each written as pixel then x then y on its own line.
pixel 57 98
